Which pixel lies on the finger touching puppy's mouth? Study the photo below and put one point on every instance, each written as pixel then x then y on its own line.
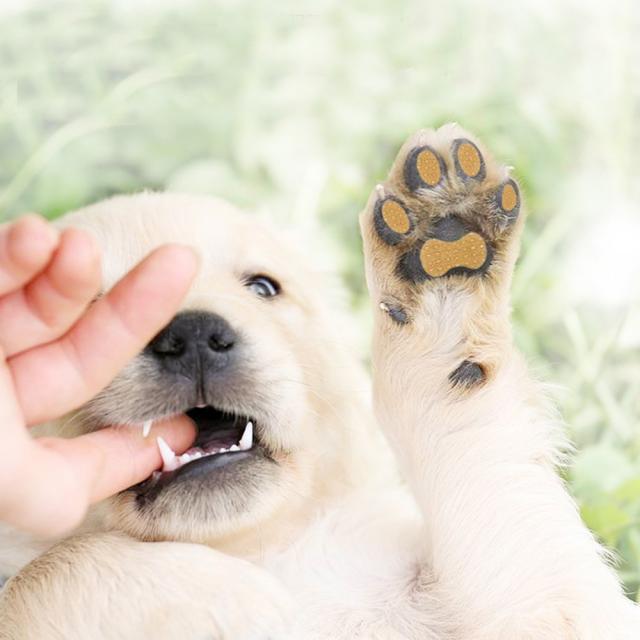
pixel 223 439
pixel 218 434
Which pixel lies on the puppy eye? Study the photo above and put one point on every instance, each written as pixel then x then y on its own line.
pixel 263 286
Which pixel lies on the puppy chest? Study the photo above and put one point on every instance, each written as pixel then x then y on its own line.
pixel 354 574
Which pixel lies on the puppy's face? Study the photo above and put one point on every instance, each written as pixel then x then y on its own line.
pixel 254 358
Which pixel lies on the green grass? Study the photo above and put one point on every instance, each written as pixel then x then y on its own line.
pixel 297 112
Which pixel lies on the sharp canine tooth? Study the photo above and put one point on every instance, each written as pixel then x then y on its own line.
pixel 146 428
pixel 170 462
pixel 246 442
pixel 234 447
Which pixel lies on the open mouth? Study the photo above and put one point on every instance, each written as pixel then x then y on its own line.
pixel 222 439
pixel 218 433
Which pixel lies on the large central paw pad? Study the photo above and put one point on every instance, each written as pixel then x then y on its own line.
pixel 451 248
pixel 445 208
pixel 439 257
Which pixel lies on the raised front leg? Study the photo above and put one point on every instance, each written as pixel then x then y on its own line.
pixel 113 588
pixel 474 435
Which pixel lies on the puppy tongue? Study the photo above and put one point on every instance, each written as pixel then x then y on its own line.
pixel 228 438
pixel 219 442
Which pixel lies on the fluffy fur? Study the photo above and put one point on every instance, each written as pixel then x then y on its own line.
pixel 475 539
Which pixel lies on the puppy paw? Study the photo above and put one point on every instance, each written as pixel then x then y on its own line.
pixel 445 221
pixel 160 590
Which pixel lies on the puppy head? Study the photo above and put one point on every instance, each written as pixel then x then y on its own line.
pixel 255 357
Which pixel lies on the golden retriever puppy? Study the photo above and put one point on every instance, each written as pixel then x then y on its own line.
pixel 291 517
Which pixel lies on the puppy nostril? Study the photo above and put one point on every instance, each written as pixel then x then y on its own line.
pixel 169 345
pixel 220 343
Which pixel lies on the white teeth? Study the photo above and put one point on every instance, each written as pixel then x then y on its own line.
pixel 170 462
pixel 146 428
pixel 201 406
pixel 189 457
pixel 246 442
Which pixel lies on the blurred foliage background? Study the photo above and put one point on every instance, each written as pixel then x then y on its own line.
pixel 297 108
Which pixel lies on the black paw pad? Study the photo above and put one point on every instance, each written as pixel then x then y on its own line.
pixel 392 220
pixel 424 169
pixel 468 160
pixel 467 375
pixel 409 266
pixel 395 312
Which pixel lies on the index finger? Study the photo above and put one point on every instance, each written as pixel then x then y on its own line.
pixel 53 379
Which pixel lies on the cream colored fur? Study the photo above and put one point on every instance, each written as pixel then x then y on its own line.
pixel 475 539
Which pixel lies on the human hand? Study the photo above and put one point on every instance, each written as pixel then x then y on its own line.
pixel 57 350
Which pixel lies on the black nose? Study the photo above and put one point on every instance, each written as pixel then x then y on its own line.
pixel 195 343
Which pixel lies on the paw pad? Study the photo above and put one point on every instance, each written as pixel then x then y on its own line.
pixel 508 198
pixel 452 248
pixel 468 160
pixel 395 312
pixel 438 257
pixel 441 213
pixel 467 375
pixel 424 168
pixel 392 219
